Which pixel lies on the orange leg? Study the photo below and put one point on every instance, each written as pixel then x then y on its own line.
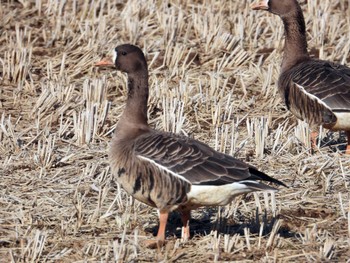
pixel 160 240
pixel 185 218
pixel 163 219
pixel 314 136
pixel 347 151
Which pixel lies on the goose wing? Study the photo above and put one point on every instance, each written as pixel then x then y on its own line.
pixel 195 161
pixel 326 81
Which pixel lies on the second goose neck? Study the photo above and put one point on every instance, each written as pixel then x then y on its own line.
pixel 295 46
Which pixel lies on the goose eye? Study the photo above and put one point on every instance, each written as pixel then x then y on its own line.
pixel 123 53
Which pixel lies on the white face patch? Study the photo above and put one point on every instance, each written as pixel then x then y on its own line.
pixel 114 56
pixel 266 3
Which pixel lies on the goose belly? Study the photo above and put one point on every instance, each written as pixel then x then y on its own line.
pixel 135 184
pixel 212 195
pixel 343 121
pixel 152 187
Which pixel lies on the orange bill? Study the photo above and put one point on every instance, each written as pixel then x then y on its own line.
pixel 260 5
pixel 106 62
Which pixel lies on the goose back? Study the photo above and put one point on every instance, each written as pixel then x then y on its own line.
pixel 316 91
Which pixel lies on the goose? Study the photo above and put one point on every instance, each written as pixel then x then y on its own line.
pixel 165 170
pixel 316 91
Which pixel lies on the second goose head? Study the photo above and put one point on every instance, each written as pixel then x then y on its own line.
pixel 126 58
pixel 277 7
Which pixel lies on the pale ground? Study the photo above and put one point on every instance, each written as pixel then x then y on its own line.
pixel 213 68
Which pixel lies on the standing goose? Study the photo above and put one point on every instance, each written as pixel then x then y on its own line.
pixel 165 170
pixel 316 91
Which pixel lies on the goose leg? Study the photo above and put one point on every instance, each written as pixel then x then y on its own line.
pixel 163 219
pixel 185 218
pixel 160 239
pixel 347 151
pixel 314 136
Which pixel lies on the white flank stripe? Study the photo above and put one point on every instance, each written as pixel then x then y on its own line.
pixel 163 168
pixel 343 118
pixel 313 97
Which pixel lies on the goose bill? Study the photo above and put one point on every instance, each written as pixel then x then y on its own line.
pixel 106 62
pixel 260 5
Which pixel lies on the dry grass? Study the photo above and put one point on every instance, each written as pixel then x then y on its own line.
pixel 213 67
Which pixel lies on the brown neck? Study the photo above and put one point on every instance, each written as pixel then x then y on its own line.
pixel 135 112
pixel 295 47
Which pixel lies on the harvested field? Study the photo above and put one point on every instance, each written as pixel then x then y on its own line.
pixel 213 70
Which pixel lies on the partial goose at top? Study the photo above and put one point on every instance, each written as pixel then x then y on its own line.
pixel 166 170
pixel 316 91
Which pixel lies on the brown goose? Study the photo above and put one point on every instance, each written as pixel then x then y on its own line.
pixel 316 91
pixel 165 170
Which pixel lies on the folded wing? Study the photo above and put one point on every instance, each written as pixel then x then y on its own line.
pixel 327 81
pixel 195 161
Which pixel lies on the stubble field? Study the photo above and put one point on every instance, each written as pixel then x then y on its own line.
pixel 213 70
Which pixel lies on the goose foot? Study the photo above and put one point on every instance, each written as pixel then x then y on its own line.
pixel 160 240
pixel 153 243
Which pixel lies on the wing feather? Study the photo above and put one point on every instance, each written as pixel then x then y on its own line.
pixel 325 80
pixel 195 161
